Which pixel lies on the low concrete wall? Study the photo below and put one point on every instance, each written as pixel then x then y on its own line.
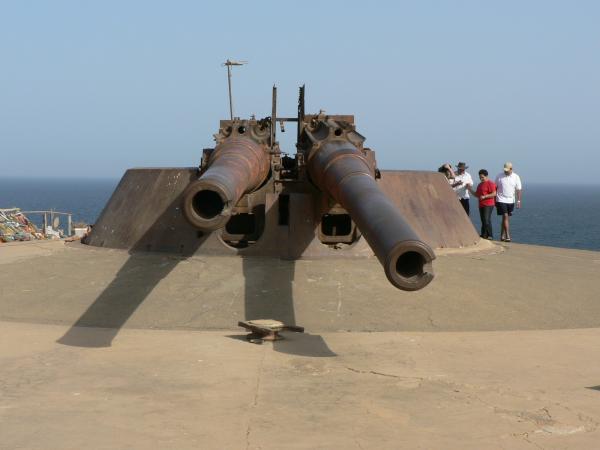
pixel 145 214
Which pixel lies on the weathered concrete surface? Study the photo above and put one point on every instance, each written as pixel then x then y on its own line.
pixel 188 390
pixel 421 382
pixel 522 287
pixel 14 252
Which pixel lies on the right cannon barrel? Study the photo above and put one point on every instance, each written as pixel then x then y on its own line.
pixel 340 169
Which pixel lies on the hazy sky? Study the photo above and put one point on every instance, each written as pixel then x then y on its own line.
pixel 92 88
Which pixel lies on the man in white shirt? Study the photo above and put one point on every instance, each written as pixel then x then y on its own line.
pixel 508 187
pixel 462 183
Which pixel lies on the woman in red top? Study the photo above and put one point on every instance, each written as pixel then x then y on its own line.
pixel 486 193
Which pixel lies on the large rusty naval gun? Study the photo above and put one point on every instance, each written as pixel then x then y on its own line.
pixel 328 199
pixel 235 178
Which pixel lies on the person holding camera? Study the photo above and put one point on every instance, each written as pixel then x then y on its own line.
pixel 462 185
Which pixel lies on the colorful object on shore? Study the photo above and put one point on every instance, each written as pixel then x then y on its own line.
pixel 15 226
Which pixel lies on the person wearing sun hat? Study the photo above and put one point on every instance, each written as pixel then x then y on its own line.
pixel 462 184
pixel 508 193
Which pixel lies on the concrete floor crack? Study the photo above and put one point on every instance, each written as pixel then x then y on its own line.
pixel 429 315
pixel 525 437
pixel 255 400
pixel 358 444
pixel 381 374
pixel 545 409
pixel 430 319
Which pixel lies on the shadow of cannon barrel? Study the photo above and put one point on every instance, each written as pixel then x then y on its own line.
pixel 338 168
pixel 236 166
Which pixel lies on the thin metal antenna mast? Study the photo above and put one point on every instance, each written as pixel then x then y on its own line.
pixel 230 63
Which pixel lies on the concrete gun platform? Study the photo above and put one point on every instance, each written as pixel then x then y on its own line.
pixel 103 349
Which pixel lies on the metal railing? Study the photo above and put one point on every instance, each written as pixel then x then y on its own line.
pixel 54 220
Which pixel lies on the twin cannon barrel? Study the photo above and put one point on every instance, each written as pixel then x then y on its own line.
pixel 336 164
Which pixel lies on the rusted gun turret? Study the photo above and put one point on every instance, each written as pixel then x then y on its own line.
pixel 339 166
pixel 329 188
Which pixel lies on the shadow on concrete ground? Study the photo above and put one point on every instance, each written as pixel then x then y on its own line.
pixel 299 344
pixel 134 281
pixel 268 291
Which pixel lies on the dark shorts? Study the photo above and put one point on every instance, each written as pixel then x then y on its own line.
pixel 504 208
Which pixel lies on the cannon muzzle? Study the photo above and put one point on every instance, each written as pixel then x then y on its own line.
pixel 236 166
pixel 340 169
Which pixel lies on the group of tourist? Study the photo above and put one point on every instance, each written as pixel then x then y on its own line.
pixel 504 193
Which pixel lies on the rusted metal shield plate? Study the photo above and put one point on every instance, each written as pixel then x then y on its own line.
pixel 430 206
pixel 144 214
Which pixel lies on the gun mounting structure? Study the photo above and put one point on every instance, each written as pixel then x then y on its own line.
pixel 239 177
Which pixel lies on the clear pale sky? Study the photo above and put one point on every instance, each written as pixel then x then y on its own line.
pixel 88 89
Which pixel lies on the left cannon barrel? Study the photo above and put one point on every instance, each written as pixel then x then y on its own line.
pixel 238 165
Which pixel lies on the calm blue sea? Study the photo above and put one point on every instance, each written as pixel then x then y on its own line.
pixel 558 216
pixel 83 198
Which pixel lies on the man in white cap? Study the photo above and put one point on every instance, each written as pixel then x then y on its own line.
pixel 462 184
pixel 508 189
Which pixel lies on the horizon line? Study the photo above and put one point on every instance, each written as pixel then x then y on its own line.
pixel 118 177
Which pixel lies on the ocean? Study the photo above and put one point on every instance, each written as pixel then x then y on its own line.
pixel 83 198
pixel 556 216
